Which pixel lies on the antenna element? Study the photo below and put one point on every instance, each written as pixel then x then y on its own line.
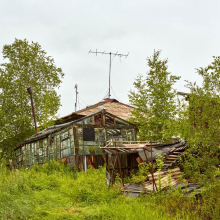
pixel 110 64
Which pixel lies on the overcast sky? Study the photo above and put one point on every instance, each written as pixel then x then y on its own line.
pixel 187 32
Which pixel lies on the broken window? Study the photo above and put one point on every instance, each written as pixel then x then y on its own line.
pixel 30 154
pixel 23 154
pixel 119 122
pixel 130 135
pixel 120 135
pixel 18 152
pixel 45 149
pixel 18 155
pixel 80 139
pixel 87 121
pixel 98 119
pixel 42 150
pixel 67 146
pixel 109 121
pixel 54 147
pixel 71 141
pixel 115 134
pixel 36 151
pixel 91 143
pixel 88 134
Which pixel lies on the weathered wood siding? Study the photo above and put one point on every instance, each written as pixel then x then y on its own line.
pixel 128 162
pixel 93 161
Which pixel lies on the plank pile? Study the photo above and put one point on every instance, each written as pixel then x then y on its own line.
pixel 166 178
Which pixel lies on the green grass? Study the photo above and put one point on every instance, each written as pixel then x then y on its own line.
pixel 58 192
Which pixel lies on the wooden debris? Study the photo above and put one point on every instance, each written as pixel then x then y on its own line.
pixel 139 160
pixel 167 178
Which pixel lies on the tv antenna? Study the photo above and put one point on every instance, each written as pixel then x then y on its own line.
pixel 110 64
pixel 76 86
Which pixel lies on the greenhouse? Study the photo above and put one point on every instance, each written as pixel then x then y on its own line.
pixel 82 137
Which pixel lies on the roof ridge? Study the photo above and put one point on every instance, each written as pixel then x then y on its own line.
pixel 96 105
pixel 86 108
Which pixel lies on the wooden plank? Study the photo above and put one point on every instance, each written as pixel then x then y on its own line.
pixel 175 170
pixel 168 164
pixel 178 153
pixel 171 158
pixel 175 156
pixel 169 161
pixel 130 146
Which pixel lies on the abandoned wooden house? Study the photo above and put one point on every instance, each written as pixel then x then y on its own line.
pixel 77 138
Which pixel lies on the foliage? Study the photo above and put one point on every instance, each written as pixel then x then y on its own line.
pixel 159 163
pixel 144 169
pixel 200 124
pixel 142 173
pixel 154 100
pixel 56 191
pixel 27 66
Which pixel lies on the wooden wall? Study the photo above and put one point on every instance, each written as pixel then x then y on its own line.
pixel 93 161
pixel 128 162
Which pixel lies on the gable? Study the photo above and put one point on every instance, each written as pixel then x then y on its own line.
pixel 113 106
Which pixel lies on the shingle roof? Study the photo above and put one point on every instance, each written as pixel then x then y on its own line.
pixel 112 106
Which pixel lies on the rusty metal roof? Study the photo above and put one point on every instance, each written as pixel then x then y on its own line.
pixel 134 146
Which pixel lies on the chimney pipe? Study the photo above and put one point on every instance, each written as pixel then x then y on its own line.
pixel 32 104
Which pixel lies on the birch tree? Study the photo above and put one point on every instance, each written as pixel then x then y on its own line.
pixel 154 99
pixel 27 65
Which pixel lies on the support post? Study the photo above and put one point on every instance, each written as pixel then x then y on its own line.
pixel 32 105
pixel 152 174
pixel 119 167
pixel 85 163
pixel 59 146
pixel 73 141
pixel 111 176
pixel 25 154
pixel 110 64
pixel 76 86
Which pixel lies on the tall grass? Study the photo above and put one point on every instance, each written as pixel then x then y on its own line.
pixel 59 192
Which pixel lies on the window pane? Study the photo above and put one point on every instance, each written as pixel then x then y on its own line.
pixel 89 150
pixel 81 150
pixel 130 135
pixel 65 153
pixel 87 121
pixel 65 144
pixel 97 150
pixel 18 152
pixel 99 134
pixel 64 135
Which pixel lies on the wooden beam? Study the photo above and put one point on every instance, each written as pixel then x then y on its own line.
pixel 119 164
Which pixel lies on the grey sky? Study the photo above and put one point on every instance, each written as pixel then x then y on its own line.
pixel 186 31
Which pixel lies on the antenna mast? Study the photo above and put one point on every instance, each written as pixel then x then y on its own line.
pixel 76 86
pixel 110 65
